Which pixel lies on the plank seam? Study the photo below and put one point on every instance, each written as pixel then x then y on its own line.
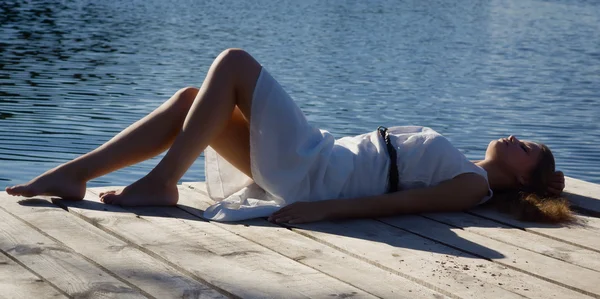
pixel 410 278
pixel 14 259
pixel 79 254
pixel 534 232
pixel 454 247
pixel 378 265
pixel 569 194
pixel 585 211
pixel 505 265
pixel 501 241
pixel 150 252
pixel 278 253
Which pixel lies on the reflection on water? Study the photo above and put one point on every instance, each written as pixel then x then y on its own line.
pixel 74 73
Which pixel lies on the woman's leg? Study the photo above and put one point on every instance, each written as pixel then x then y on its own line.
pixel 144 139
pixel 229 83
pixel 233 143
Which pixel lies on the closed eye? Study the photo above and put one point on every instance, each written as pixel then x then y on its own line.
pixel 524 147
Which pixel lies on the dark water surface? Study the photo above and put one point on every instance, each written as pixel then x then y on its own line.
pixel 74 73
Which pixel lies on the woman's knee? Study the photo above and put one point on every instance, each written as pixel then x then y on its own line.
pixel 243 71
pixel 187 92
pixel 234 57
pixel 184 98
pixel 239 62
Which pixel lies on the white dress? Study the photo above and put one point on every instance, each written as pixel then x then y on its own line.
pixel 293 161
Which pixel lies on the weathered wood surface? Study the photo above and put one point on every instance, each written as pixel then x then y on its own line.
pixel 227 261
pixel 57 263
pixel 533 242
pixel 364 275
pixel 583 194
pixel 454 272
pixel 18 282
pixel 400 253
pixel 570 276
pixel 100 251
pixel 580 235
pixel 584 234
pixel 118 257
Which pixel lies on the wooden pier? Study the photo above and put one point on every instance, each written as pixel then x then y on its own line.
pixel 50 248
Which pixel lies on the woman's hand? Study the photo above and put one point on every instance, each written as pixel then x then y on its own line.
pixel 556 183
pixel 302 212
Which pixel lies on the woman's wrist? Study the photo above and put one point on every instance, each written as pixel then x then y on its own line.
pixel 337 209
pixel 328 208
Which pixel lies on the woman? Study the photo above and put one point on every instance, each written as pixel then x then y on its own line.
pixel 264 159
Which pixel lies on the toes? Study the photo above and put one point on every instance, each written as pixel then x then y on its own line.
pixel 102 194
pixel 18 190
pixel 110 198
pixel 107 192
pixel 11 190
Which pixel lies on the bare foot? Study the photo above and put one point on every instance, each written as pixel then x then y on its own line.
pixel 144 192
pixel 54 182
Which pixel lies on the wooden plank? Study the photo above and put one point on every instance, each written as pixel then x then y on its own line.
pixel 120 258
pixel 583 194
pixel 429 262
pixel 570 276
pixel 520 238
pixel 18 282
pixel 377 281
pixel 56 263
pixel 583 236
pixel 226 260
pixel 585 233
pixel 588 221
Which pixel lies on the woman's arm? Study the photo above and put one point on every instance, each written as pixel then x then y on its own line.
pixel 459 193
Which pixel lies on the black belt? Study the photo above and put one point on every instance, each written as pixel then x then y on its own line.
pixel 393 175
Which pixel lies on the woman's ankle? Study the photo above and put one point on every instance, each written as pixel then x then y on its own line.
pixel 73 171
pixel 160 179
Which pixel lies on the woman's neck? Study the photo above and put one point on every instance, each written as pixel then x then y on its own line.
pixel 498 178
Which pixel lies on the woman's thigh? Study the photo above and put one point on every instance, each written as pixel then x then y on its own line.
pixel 233 143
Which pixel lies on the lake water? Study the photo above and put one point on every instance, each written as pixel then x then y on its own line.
pixel 74 73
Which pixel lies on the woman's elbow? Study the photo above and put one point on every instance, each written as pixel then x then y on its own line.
pixel 467 203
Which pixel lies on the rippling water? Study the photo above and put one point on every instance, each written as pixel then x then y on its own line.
pixel 74 73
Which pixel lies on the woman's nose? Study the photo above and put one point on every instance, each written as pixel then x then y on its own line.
pixel 512 138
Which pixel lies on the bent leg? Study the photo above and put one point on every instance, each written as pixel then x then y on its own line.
pixel 229 83
pixel 140 141
pixel 233 143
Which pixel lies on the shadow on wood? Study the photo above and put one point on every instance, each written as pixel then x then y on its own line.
pixel 371 230
pixel 580 204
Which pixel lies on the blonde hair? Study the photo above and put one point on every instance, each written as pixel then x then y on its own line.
pixel 533 202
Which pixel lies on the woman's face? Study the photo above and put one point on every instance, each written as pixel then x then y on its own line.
pixel 519 157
